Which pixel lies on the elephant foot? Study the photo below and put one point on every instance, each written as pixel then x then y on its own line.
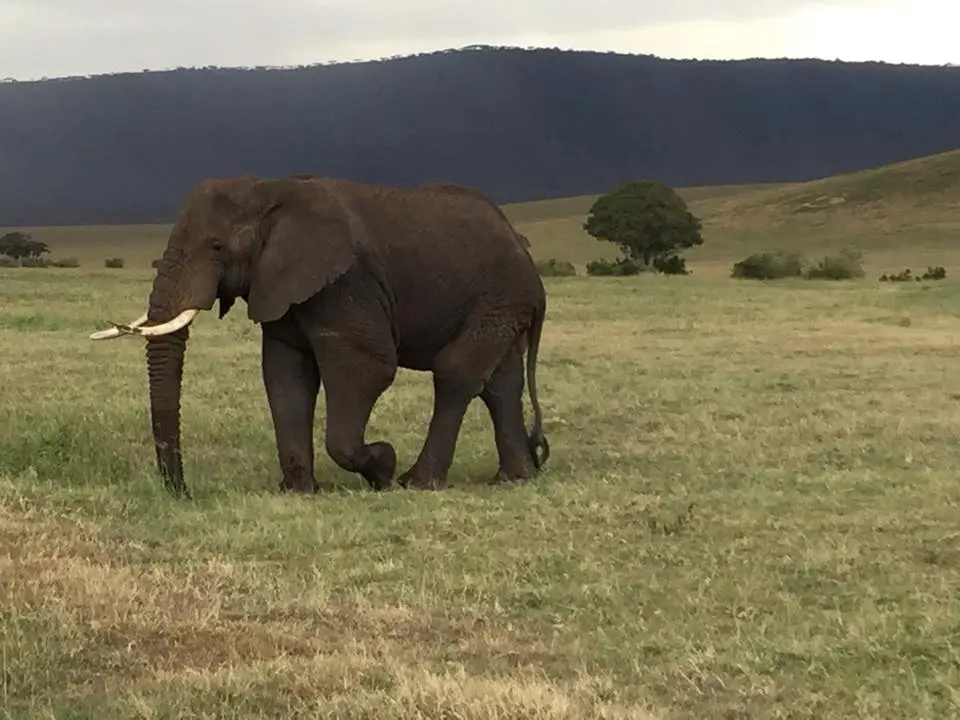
pixel 506 478
pixel 413 480
pixel 299 482
pixel 515 467
pixel 380 466
pixel 299 488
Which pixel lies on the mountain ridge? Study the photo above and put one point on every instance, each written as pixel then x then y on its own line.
pixel 517 124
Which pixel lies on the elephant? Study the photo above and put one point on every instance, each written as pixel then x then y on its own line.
pixel 462 189
pixel 349 281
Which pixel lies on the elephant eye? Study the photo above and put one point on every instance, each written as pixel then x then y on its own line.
pixel 217 244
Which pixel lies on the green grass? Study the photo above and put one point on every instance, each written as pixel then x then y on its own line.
pixel 750 510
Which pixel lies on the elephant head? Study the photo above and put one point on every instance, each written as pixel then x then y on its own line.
pixel 272 242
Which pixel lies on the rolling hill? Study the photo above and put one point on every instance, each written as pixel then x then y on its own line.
pixel 902 210
pixel 905 207
pixel 921 191
pixel 517 124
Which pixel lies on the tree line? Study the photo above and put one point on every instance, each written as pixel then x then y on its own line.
pixel 516 124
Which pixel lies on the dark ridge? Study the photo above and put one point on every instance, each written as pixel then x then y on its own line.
pixel 516 124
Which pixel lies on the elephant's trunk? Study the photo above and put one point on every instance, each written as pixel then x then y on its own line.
pixel 165 371
pixel 185 284
pixel 170 313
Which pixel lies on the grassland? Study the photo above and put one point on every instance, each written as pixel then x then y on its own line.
pixel 905 212
pixel 751 510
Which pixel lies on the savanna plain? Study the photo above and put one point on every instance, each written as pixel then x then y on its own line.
pixel 751 509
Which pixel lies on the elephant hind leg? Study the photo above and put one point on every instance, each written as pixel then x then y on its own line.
pixel 503 396
pixel 352 384
pixel 460 372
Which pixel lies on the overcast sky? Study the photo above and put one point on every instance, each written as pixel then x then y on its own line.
pixel 78 37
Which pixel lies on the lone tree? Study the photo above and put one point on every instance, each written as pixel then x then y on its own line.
pixel 19 245
pixel 646 219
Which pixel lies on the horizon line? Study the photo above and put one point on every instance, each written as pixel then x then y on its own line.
pixel 474 47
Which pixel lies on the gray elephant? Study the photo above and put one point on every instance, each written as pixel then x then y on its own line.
pixel 348 282
pixel 463 190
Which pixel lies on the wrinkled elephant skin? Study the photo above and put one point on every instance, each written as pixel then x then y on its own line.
pixel 349 282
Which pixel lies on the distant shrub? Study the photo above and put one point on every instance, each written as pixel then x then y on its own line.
pixel 904 276
pixel 34 262
pixel 932 273
pixel 7 262
pixel 670 265
pixel 846 265
pixel 555 268
pixel 70 262
pixel 621 267
pixel 155 263
pixel 113 263
pixel 769 266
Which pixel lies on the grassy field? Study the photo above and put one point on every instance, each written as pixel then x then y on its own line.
pixel 751 510
pixel 901 213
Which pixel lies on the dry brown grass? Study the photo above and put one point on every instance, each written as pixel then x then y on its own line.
pixel 141 636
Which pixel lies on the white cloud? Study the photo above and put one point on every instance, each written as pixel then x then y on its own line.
pixel 66 37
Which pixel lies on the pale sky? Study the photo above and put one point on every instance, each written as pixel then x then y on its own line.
pixel 54 38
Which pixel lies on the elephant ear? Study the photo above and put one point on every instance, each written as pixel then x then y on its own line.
pixel 310 238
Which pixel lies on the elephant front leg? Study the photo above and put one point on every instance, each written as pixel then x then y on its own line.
pixel 292 381
pixel 353 381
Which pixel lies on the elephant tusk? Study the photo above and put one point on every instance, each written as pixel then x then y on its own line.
pixel 116 330
pixel 180 321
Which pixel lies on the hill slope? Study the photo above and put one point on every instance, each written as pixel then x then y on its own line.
pixel 907 211
pixel 923 190
pixel 517 124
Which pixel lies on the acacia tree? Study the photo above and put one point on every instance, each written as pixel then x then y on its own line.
pixel 19 245
pixel 646 219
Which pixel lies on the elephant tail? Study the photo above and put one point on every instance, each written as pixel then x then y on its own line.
pixel 537 439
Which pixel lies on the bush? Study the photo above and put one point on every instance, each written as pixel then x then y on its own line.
pixel 769 266
pixel 619 268
pixel 670 265
pixel 155 263
pixel 34 262
pixel 70 262
pixel 555 268
pixel 113 263
pixel 932 273
pixel 905 276
pixel 845 266
pixel 7 262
